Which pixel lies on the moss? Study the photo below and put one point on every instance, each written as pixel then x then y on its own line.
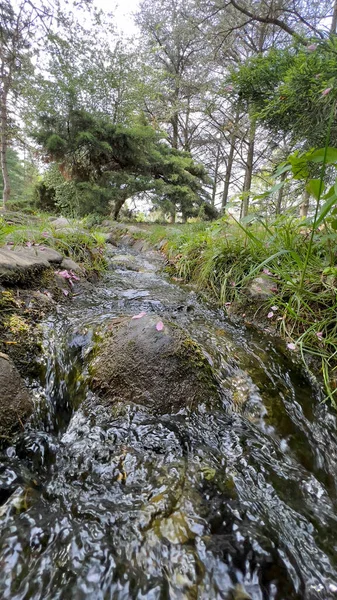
pixel 193 356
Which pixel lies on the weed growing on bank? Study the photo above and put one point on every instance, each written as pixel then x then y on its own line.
pixel 223 258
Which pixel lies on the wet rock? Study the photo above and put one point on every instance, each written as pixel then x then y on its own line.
pixel 42 298
pixel 60 223
pixel 70 265
pixel 141 245
pixel 110 238
pixel 262 287
pixel 16 404
pixel 16 267
pixel 126 261
pixel 158 366
pixel 20 264
pixel 161 244
pixel 127 240
pixel 134 229
pixel 45 253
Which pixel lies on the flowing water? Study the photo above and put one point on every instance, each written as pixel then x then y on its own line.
pixel 231 504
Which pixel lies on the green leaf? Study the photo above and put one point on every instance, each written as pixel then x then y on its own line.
pixel 326 208
pixel 318 156
pixel 315 187
pixel 282 168
pixel 299 166
pixel 272 190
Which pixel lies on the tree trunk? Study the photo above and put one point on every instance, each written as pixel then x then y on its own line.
pixel 173 216
pixel 230 161
pixel 118 205
pixel 305 205
pixel 216 173
pixel 334 19
pixel 227 177
pixel 280 196
pixel 249 169
pixel 3 149
pixel 175 127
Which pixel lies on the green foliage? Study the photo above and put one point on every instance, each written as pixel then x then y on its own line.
pixel 293 90
pixel 23 177
pixel 104 162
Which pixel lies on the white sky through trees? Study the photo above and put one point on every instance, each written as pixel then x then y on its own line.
pixel 122 12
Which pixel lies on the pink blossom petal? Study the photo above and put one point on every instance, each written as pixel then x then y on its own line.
pixel 312 47
pixel 73 276
pixel 274 308
pixel 270 315
pixel 29 244
pixel 326 92
pixel 160 326
pixel 266 272
pixel 45 234
pixel 291 346
pixel 65 292
pixel 65 274
pixel 319 334
pixel 142 314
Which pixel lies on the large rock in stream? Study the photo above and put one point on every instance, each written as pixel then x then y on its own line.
pixel 158 366
pixel 16 404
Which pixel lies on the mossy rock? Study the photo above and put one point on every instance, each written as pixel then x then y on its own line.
pixel 164 371
pixel 16 405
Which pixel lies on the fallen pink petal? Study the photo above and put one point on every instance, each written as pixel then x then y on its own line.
pixel 270 315
pixel 274 308
pixel 160 326
pixel 73 276
pixel 64 274
pixel 326 92
pixel 65 292
pixel 142 314
pixel 291 346
pixel 319 334
pixel 312 47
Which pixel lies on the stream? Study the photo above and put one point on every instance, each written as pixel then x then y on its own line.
pixel 238 503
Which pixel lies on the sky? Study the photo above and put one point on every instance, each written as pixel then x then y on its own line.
pixel 122 10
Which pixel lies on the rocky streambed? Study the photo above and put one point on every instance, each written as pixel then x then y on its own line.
pixel 168 454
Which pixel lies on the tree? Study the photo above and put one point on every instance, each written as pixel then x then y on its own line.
pixel 22 176
pixel 15 29
pixel 293 90
pixel 122 161
pixel 175 52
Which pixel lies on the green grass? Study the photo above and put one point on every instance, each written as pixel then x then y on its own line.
pixel 222 258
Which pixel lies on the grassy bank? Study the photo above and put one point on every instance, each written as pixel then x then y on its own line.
pixel 76 242
pixel 223 259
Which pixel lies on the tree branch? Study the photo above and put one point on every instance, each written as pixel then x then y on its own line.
pixel 268 20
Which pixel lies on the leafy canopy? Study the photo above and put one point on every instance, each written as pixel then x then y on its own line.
pixel 124 160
